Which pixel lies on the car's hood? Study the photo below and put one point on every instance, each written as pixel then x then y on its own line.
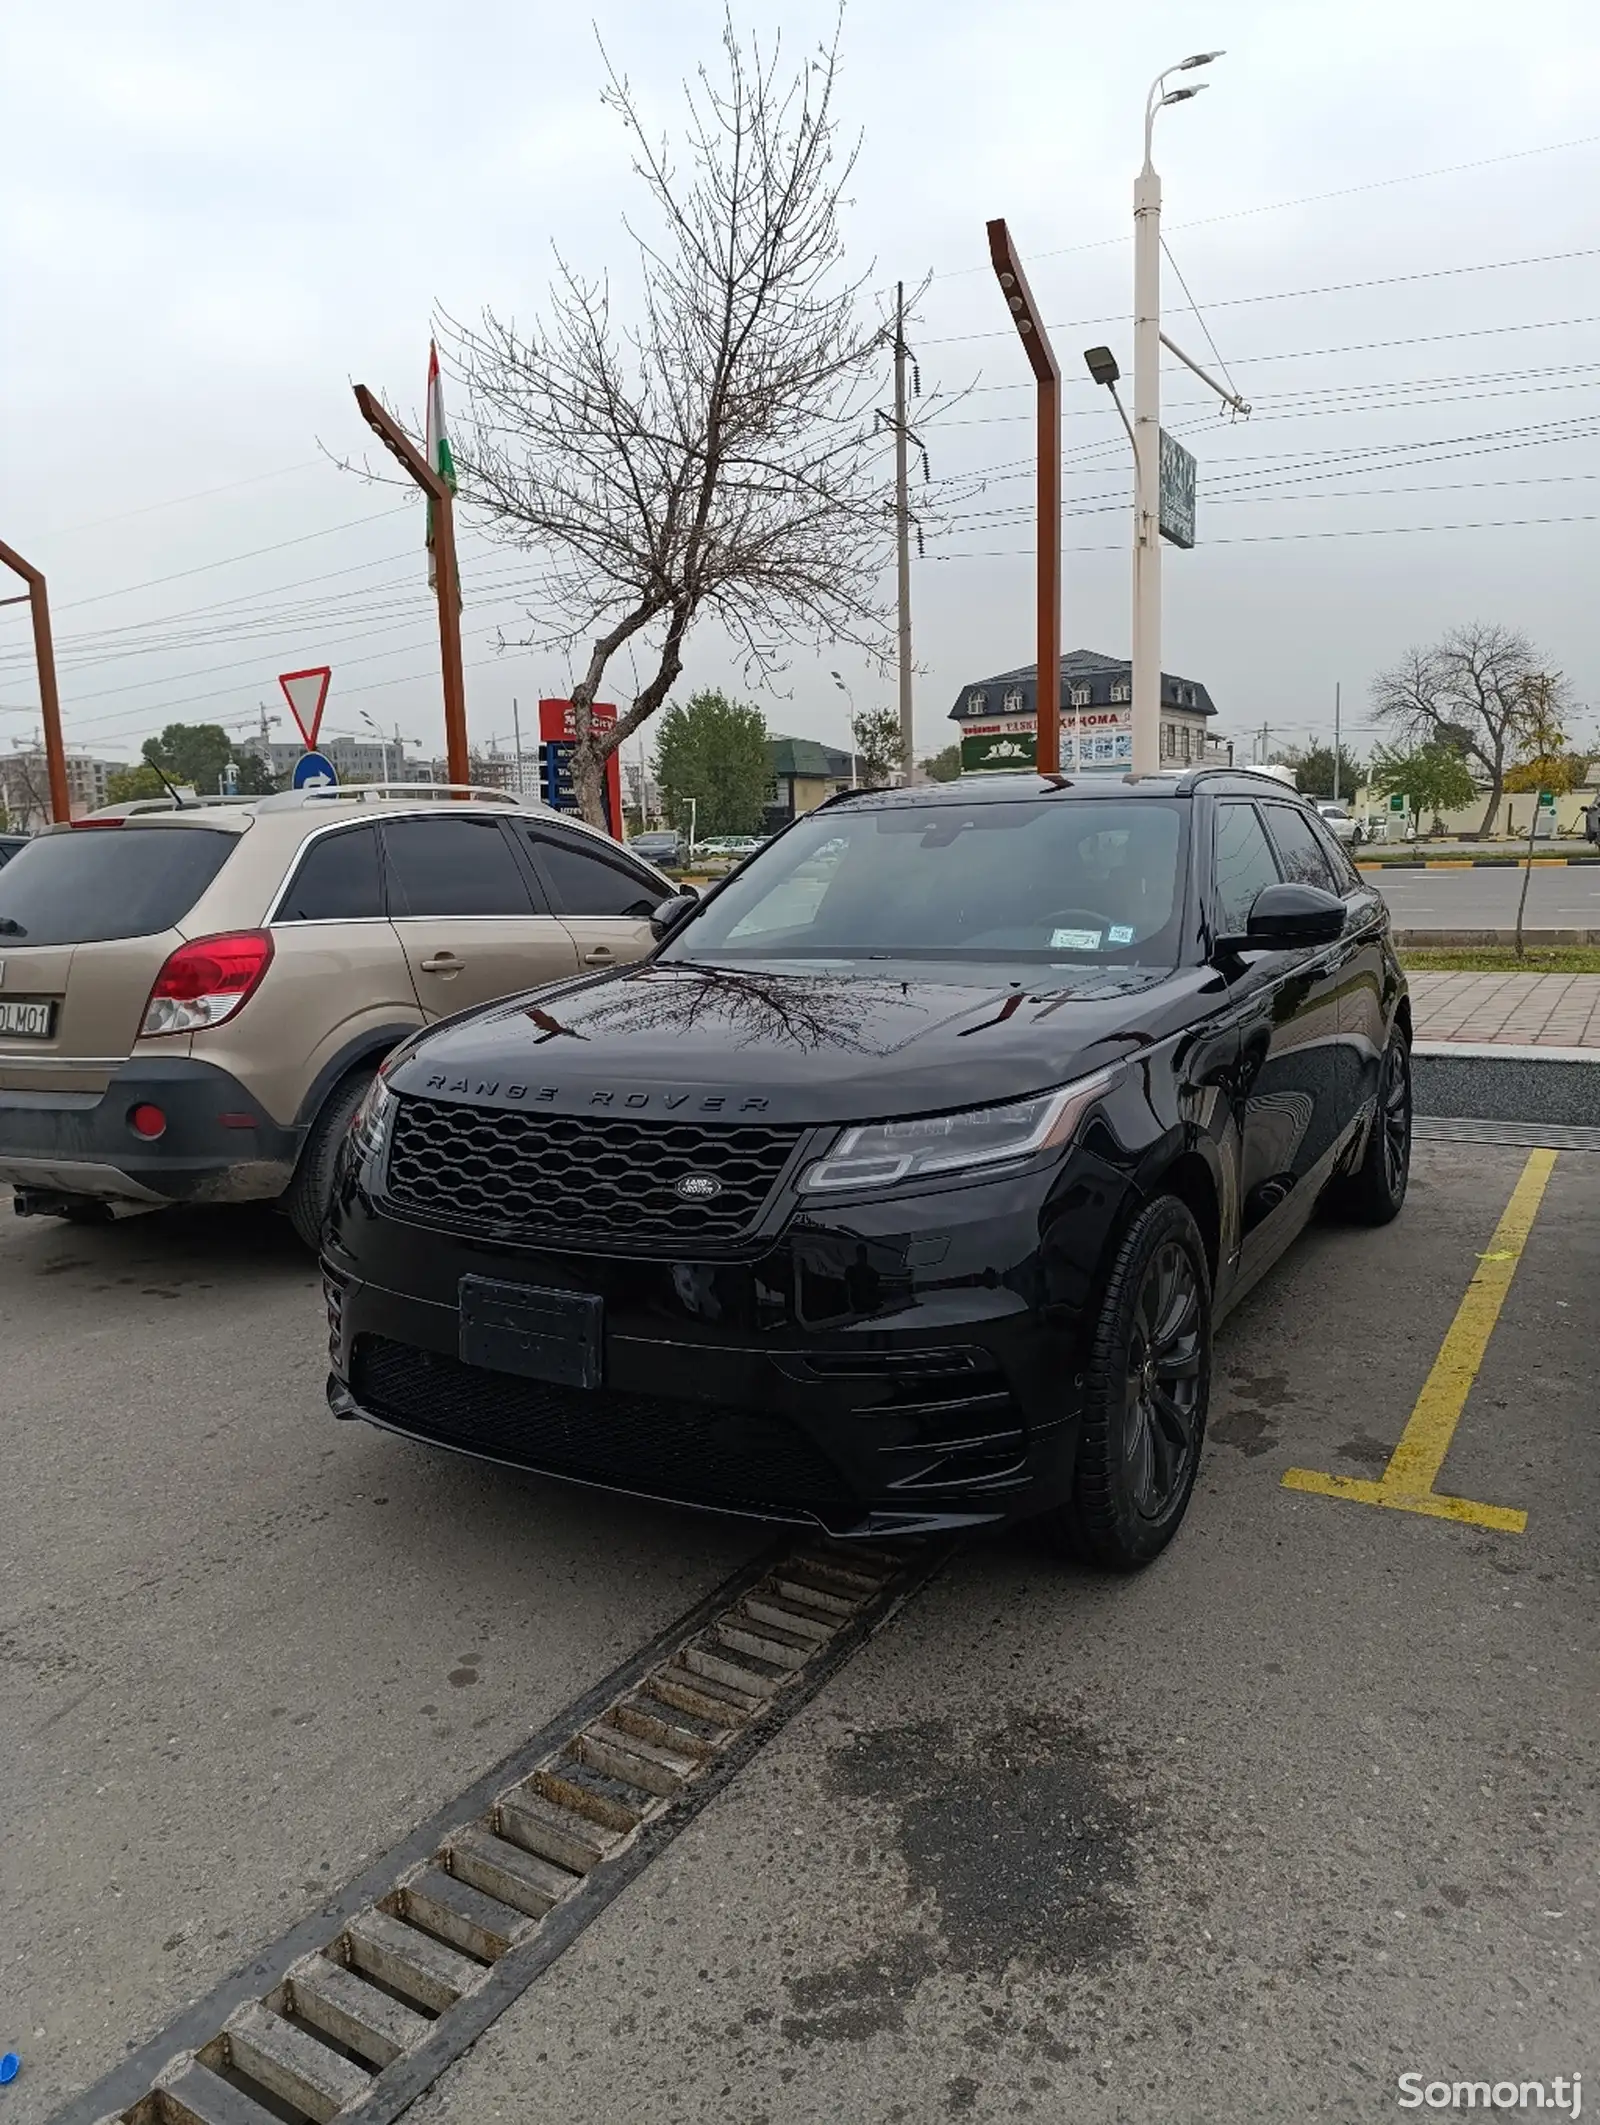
pixel 666 1039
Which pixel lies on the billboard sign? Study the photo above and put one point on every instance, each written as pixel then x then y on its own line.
pixel 1177 492
pixel 1093 738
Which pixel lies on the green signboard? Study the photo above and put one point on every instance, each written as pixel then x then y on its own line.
pixel 1013 749
pixel 1177 492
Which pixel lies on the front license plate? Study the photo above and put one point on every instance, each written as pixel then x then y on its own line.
pixel 29 1021
pixel 543 1335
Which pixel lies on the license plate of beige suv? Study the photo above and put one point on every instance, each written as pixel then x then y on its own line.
pixel 31 1021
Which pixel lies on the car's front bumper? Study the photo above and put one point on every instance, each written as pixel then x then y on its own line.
pixel 219 1145
pixel 881 1368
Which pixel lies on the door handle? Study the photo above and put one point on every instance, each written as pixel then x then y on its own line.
pixel 443 963
pixel 600 955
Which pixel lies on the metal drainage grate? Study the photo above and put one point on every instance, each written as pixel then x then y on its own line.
pixel 1546 1136
pixel 360 2027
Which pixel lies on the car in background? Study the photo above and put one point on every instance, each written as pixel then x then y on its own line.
pixel 1342 824
pixel 194 999
pixel 737 846
pixel 668 848
pixel 11 845
pixel 899 1189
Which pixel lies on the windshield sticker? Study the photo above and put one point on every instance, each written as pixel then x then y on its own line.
pixel 1075 940
pixel 1120 933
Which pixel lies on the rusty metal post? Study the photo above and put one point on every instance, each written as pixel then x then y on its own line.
pixel 447 582
pixel 55 751
pixel 1047 376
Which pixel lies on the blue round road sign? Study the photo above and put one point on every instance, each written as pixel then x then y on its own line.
pixel 313 771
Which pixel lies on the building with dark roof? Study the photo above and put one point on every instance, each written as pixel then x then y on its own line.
pixel 997 717
pixel 804 774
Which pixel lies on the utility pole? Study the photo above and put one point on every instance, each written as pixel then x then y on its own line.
pixel 1148 340
pixel 902 515
pixel 1026 317
pixel 448 584
pixel 37 599
pixel 1336 743
pixel 516 738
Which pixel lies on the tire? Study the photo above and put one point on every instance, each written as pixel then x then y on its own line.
pixel 305 1200
pixel 1374 1193
pixel 1147 1388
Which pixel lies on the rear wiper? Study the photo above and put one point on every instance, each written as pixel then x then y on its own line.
pixel 9 927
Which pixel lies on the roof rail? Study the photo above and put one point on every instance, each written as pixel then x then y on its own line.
pixel 133 805
pixel 340 793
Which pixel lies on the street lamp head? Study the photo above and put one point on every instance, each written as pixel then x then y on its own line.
pixel 1197 59
pixel 1101 364
pixel 1183 95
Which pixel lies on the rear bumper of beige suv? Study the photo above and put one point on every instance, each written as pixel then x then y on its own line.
pixel 218 1144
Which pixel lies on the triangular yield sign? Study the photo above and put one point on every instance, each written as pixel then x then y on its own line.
pixel 306 692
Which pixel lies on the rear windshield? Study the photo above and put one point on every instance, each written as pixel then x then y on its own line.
pixel 104 882
pixel 1052 881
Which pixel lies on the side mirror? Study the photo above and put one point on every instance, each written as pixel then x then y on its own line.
pixel 671 913
pixel 1288 918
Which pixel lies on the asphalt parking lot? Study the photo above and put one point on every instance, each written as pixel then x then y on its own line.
pixel 1311 1804
pixel 1560 896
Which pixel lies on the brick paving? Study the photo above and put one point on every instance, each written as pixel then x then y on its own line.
pixel 1511 1010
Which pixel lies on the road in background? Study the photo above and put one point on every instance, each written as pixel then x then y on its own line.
pixel 1562 896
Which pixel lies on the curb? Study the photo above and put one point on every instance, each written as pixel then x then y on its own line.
pixel 1475 940
pixel 1507 1083
pixel 1465 863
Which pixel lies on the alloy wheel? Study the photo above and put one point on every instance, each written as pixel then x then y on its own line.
pixel 1161 1430
pixel 1396 1117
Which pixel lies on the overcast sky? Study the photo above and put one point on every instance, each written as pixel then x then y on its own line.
pixel 213 219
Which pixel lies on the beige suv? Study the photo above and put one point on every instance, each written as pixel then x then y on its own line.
pixel 192 1002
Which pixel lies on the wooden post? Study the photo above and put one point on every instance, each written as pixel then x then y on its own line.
pixel 1047 375
pixel 447 582
pixel 55 752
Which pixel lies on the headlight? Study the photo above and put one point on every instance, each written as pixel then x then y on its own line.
pixel 878 1154
pixel 370 1123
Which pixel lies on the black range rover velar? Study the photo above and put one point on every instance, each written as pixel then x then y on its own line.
pixel 901 1188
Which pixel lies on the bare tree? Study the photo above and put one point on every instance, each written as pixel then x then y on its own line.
pixel 717 459
pixel 1468 691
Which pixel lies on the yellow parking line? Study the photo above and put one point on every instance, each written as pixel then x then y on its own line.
pixel 1407 1483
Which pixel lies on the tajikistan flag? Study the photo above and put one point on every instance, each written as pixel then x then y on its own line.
pixel 438 444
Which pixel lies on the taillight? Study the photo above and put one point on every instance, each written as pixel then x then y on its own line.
pixel 205 982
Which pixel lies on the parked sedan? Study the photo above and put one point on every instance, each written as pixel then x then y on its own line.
pixel 1343 825
pixel 902 1186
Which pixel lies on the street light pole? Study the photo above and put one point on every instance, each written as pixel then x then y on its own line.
pixel 55 752
pixel 1147 426
pixel 377 732
pixel 850 697
pixel 448 583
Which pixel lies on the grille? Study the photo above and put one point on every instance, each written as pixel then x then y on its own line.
pixel 604 1177
pixel 698 1453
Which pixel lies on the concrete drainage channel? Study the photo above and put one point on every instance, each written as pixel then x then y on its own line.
pixel 353 2015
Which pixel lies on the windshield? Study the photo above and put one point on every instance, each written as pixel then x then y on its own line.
pixel 103 882
pixel 1054 880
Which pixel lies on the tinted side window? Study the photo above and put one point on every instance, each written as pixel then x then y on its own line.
pixel 1301 851
pixel 1347 878
pixel 587 881
pixel 96 883
pixel 1244 864
pixel 337 880
pixel 453 867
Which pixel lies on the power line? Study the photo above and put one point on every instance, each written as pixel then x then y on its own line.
pixel 1285 295
pixel 1305 199
pixel 1276 538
